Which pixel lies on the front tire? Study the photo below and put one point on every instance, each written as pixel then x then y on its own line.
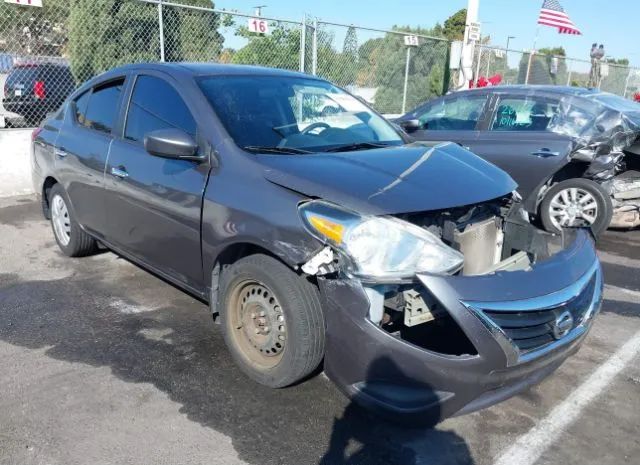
pixel 576 202
pixel 71 239
pixel 272 321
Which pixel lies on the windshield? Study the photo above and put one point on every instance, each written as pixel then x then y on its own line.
pixel 294 115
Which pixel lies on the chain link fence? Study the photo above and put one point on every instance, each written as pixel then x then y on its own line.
pixel 392 70
pixel 518 67
pixel 46 52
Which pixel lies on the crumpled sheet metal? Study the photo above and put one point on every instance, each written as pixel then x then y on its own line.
pixel 625 191
pixel 599 123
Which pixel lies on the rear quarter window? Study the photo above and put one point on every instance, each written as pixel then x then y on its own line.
pixel 102 110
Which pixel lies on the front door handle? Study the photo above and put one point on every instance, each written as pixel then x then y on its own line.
pixel 119 173
pixel 60 153
pixel 544 153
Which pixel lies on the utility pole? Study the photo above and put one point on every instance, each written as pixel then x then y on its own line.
pixel 468 45
pixel 258 9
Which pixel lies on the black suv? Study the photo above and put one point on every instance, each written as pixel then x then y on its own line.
pixel 34 89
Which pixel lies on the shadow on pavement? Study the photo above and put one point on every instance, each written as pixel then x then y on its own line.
pixel 352 441
pixel 179 350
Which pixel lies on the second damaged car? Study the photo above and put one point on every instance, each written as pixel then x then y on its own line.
pixel 409 272
pixel 574 152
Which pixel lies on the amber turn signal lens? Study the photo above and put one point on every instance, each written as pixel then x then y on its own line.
pixel 327 228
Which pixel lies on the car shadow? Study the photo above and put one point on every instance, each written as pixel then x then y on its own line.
pixel 360 437
pixel 180 351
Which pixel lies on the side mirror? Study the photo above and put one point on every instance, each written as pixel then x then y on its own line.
pixel 172 143
pixel 411 125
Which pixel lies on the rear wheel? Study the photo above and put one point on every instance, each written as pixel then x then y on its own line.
pixel 272 320
pixel 71 239
pixel 576 202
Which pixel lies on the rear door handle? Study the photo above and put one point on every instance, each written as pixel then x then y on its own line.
pixel 544 153
pixel 61 153
pixel 119 173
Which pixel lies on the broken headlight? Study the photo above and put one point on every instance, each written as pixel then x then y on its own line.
pixel 379 248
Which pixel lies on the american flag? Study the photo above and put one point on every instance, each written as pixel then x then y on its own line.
pixel 552 14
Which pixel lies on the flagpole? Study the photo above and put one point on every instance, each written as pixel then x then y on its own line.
pixel 532 53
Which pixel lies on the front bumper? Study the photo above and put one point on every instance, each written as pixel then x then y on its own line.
pixel 399 379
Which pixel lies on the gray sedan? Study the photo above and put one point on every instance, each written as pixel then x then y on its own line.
pixel 572 151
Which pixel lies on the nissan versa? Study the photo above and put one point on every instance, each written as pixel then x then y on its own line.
pixel 319 237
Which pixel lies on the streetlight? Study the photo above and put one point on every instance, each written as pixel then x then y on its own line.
pixel 508 39
pixel 258 9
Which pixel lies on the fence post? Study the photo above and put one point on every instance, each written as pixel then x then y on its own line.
pixel 161 30
pixel 569 73
pixel 303 43
pixel 406 81
pixel 489 63
pixel 314 62
pixel 626 83
pixel 475 77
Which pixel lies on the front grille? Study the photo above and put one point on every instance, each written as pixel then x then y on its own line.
pixel 530 330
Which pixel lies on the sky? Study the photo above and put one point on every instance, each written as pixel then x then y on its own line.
pixel 614 23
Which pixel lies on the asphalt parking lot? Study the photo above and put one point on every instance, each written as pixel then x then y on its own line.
pixel 102 363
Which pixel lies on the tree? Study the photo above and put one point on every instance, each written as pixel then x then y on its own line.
pixel 455 24
pixel 35 31
pixel 548 66
pixel 384 62
pixel 106 33
pixel 280 48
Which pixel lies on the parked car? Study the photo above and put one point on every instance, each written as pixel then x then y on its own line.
pixel 571 150
pixel 34 89
pixel 409 271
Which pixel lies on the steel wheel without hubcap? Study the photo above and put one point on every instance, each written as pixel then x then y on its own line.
pixel 60 219
pixel 573 207
pixel 258 323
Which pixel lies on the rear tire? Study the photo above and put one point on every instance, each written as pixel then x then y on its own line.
pixel 576 202
pixel 272 320
pixel 71 239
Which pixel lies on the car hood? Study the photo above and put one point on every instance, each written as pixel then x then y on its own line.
pixel 391 180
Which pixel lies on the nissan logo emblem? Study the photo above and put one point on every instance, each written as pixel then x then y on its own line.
pixel 562 325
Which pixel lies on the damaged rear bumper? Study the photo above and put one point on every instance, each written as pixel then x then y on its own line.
pixel 394 377
pixel 625 193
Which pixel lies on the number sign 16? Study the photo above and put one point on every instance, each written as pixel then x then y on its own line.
pixel 258 25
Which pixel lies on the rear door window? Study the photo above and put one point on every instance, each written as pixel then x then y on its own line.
pixel 526 113
pixel 155 104
pixel 102 110
pixel 462 113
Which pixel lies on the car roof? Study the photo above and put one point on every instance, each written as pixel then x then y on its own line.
pixel 541 89
pixel 209 69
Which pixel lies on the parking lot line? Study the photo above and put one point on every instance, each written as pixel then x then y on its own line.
pixel 621 294
pixel 530 446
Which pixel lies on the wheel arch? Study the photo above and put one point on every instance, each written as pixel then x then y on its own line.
pixel 48 183
pixel 230 254
pixel 573 169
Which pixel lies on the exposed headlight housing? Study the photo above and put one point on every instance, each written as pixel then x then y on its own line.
pixel 379 249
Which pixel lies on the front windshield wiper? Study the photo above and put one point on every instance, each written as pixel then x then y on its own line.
pixel 270 149
pixel 356 146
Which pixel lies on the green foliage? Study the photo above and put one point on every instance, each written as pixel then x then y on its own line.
pixel 383 67
pixel 107 33
pixel 279 49
pixel 542 67
pixel 455 24
pixel 34 31
pixel 557 51
pixel 619 61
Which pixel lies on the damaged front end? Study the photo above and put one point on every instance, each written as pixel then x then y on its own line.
pixel 493 306
pixel 605 130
